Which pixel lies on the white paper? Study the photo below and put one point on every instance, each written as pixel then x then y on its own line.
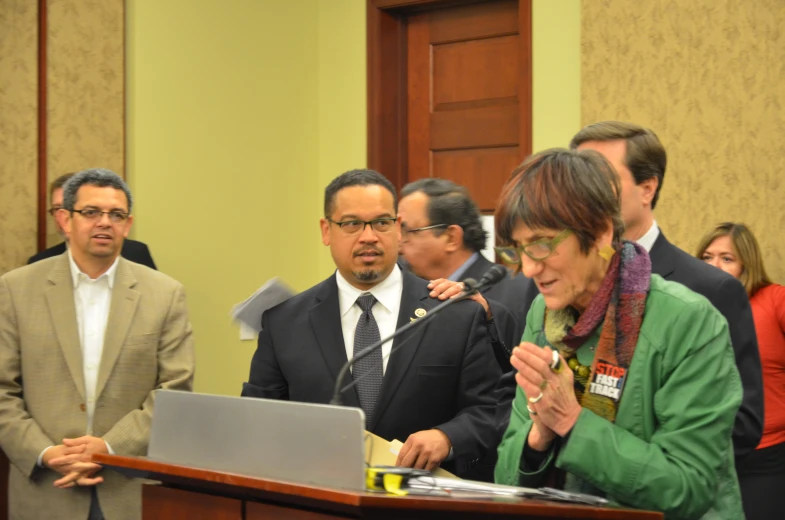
pixel 269 295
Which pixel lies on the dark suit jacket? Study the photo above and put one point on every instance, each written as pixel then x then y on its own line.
pixel 444 377
pixel 132 250
pixel 510 322
pixel 729 297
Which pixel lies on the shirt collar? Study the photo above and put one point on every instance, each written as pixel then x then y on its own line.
pixel 387 292
pixel 648 239
pixel 464 266
pixel 77 275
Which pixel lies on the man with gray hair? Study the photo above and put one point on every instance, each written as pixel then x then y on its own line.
pixel 85 339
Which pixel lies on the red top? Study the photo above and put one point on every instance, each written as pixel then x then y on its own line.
pixel 768 310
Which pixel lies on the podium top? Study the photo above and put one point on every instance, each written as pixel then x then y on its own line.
pixel 351 502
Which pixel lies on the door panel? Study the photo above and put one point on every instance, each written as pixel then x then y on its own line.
pixel 467 87
pixel 449 91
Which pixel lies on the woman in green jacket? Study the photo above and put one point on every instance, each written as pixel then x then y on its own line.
pixel 627 386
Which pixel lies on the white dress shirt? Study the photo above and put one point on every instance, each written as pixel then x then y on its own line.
pixel 648 239
pixel 92 299
pixel 385 311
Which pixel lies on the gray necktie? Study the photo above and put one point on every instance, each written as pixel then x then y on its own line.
pixel 367 371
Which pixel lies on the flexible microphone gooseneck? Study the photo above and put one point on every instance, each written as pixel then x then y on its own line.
pixel 471 286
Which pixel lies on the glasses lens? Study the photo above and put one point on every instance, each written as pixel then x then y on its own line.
pixel 382 225
pixel 538 251
pixel 351 226
pixel 116 216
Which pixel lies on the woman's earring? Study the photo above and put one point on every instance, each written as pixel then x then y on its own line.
pixel 607 252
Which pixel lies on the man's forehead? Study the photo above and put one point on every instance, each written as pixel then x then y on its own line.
pixel 89 193
pixel 363 200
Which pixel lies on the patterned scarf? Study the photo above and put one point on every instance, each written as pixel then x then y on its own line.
pixel 620 303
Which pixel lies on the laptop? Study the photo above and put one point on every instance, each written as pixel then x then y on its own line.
pixel 281 440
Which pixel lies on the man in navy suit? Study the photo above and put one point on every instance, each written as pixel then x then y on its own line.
pixel 132 250
pixel 433 387
pixel 640 159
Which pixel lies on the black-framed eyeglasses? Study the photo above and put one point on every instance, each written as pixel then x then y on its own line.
pixel 405 231
pixel 115 216
pixel 352 227
pixel 53 210
pixel 538 250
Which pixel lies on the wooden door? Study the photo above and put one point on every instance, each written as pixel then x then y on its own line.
pixel 462 109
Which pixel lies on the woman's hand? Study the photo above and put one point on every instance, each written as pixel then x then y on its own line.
pixel 550 395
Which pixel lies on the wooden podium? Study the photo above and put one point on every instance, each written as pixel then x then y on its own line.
pixel 187 493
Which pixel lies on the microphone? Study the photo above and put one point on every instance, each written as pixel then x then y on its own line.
pixel 471 287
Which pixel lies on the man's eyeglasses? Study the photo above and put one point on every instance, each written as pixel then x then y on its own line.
pixel 115 216
pixel 405 231
pixel 352 227
pixel 53 210
pixel 538 250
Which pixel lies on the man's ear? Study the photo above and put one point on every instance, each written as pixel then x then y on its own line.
pixel 454 238
pixel 324 224
pixel 63 218
pixel 649 189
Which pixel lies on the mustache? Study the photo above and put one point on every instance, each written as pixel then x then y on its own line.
pixel 366 250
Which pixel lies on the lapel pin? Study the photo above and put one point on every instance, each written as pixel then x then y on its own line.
pixel 420 313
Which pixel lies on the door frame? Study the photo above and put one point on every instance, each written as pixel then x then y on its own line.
pixel 387 100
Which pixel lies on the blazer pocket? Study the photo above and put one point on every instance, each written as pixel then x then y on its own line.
pixel 436 370
pixel 141 339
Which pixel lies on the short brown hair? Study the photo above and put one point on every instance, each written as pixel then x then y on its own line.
pixel 645 155
pixel 562 189
pixel 60 182
pixel 745 245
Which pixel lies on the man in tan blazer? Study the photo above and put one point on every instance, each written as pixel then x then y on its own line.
pixel 85 339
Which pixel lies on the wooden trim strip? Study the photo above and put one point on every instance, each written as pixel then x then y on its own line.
pixel 42 155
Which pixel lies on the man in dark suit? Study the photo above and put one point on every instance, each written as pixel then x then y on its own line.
pixel 640 159
pixel 437 390
pixel 132 250
pixel 442 238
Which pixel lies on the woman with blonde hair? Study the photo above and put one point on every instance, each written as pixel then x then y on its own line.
pixel 733 248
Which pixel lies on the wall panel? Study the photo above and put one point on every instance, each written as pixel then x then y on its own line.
pixel 18 138
pixel 707 76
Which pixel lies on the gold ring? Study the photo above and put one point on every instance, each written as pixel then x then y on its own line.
pixel 530 410
pixel 556 365
pixel 535 400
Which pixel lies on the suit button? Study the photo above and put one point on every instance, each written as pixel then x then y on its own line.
pixel 83 407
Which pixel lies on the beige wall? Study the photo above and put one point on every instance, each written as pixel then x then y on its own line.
pixel 18 131
pixel 223 157
pixel 709 77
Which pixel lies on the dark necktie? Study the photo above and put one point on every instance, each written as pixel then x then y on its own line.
pixel 367 372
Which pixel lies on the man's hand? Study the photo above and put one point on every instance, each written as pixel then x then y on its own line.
pixel 442 289
pixel 60 458
pixel 81 474
pixel 424 450
pixel 75 450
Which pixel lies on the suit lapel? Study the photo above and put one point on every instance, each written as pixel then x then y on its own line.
pixel 412 298
pixel 661 258
pixel 60 299
pixel 121 314
pixel 325 318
